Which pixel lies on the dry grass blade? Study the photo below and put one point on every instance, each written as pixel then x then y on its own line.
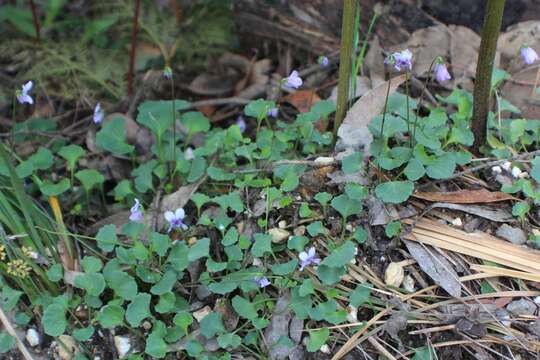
pixel 11 331
pixel 498 271
pixel 465 196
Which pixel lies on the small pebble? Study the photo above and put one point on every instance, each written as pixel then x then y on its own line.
pixel 516 172
pixel 496 169
pixel 282 224
pixel 278 235
pixel 123 345
pixel 325 349
pixel 200 314
pixel 457 222
pixel 33 337
pixel 507 165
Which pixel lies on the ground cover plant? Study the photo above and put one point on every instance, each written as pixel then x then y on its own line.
pixel 161 229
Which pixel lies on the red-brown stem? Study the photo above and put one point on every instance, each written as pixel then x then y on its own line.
pixel 36 20
pixel 134 30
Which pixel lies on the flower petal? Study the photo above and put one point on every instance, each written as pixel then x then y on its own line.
pixel 169 216
pixel 180 213
pixel 27 87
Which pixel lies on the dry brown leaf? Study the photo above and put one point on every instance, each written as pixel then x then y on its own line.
pixel 464 196
pixel 302 100
pixel 354 132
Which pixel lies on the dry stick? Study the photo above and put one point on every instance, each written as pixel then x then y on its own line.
pixel 134 30
pixel 484 70
pixel 36 20
pixel 11 331
pixel 381 349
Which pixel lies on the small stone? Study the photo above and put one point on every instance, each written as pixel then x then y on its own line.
pixel 279 235
pixel 32 337
pixel 324 160
pixel 394 274
pixel 123 345
pixel 257 262
pixel 457 222
pixel 67 347
pixel 349 227
pixel 408 284
pixel 513 234
pixel 200 314
pixel 496 169
pixel 507 165
pixel 282 224
pixel 516 172
pixel 325 349
pixel 521 307
pixel 523 175
pixel 146 325
pixel 300 231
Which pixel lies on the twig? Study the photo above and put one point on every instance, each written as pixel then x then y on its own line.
pixel 381 349
pixel 11 331
pixel 133 46
pixel 36 20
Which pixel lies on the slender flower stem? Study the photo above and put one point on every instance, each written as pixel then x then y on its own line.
pixel 173 144
pixel 13 121
pixel 134 31
pixel 407 77
pixel 424 88
pixel 484 70
pixel 385 106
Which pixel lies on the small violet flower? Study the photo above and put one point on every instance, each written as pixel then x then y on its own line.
pixel 167 73
pixel 262 281
pixel 175 219
pixel 496 169
pixel 400 60
pixel 323 61
pixel 307 258
pixel 273 112
pixel 98 114
pixel 441 73
pixel 293 80
pixel 22 95
pixel 241 123
pixel 136 212
pixel 507 165
pixel 528 54
pixel 516 172
pixel 188 154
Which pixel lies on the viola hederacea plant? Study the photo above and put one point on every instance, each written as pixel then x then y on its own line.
pixel 293 81
pixel 22 94
pixel 136 212
pixel 400 60
pixel 273 112
pixel 308 257
pixel 262 281
pixel 441 72
pixel 241 123
pixel 323 61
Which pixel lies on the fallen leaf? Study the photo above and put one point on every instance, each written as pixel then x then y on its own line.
pixel 436 266
pixel 279 326
pixel 493 214
pixel 302 100
pixel 354 132
pixel 464 196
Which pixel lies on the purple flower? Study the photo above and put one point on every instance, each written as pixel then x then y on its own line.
pixel 307 258
pixel 167 73
pixel 98 114
pixel 400 59
pixel 323 61
pixel 273 112
pixel 528 54
pixel 188 154
pixel 262 281
pixel 441 73
pixel 22 95
pixel 293 81
pixel 175 219
pixel 241 123
pixel 136 212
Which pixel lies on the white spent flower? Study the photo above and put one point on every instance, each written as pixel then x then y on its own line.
pixel 496 169
pixel 516 172
pixel 507 165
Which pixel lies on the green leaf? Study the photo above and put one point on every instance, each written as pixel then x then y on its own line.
pixel 200 199
pixel 392 229
pixel 219 174
pixel 160 243
pixel 199 250
pixel 262 245
pixel 316 228
pixel 122 190
pixel 7 342
pixel 323 198
pixel 54 320
pixel 106 238
pixel 285 268
pixel 424 353
pixel 297 243
pixel 346 206
pixel 111 316
pixel 360 295
pixel 51 189
pixel 290 182
pixel 356 191
pixel 211 325
pixel 166 303
pixel 229 340
pixel 89 178
pixel 231 237
pixel 244 308
pixel 83 334
pixel 42 159
pixel 330 275
pixel 156 346
pixel 138 309
pixel 258 108
pixel 442 168
pixel 123 284
pixel 340 256
pixel 93 283
pixel 55 272
pixel 165 284
pixel 9 297
pixel 414 170
pixel 178 256
pixel 323 108
pixel 304 210
pixel 394 192
pixel 195 122
pixel 520 209
pixel 91 264
pixel 317 338
pixel 71 153
pixel 535 172
pixel 392 125
pixel 306 288
pixel 183 319
pixel 360 235
pixel 198 167
pixel 112 137
pixel 143 176
pixel 352 163
pixel 157 115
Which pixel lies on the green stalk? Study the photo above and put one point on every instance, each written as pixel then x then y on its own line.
pixel 484 69
pixel 345 61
